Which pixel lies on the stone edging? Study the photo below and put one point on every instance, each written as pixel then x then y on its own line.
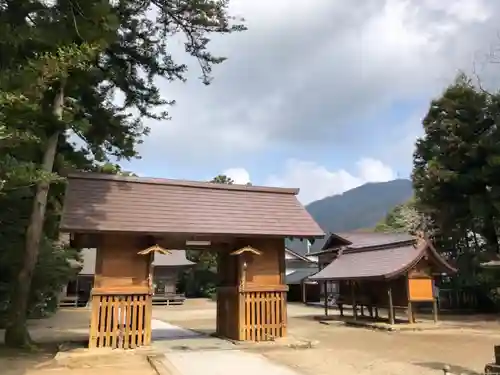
pixel 161 365
pixel 279 343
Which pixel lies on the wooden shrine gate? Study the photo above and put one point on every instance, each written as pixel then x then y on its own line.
pixel 128 219
pixel 120 321
pixel 251 316
pixel 264 317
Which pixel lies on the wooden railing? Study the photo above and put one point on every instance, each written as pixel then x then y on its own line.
pixel 120 321
pixel 264 315
pixel 255 313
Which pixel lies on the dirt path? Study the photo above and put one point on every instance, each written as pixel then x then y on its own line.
pixel 341 350
pixel 364 351
pixel 223 362
pixel 123 365
pixel 346 351
pixel 43 363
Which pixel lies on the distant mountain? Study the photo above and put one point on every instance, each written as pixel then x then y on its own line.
pixel 361 207
pixel 355 209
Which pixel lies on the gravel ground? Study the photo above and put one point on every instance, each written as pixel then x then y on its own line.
pixel 345 350
pixel 465 345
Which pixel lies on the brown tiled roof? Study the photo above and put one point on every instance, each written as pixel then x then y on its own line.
pixel 298 276
pixel 298 256
pixel 176 258
pixel 100 202
pixel 360 240
pixel 380 263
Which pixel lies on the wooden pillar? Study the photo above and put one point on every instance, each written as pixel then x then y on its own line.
pixel 435 310
pixel 151 256
pixel 304 292
pixel 121 296
pixel 76 287
pixel 325 292
pixel 353 298
pixel 242 265
pixel 252 304
pixel 241 315
pixel 410 313
pixel 243 271
pixel 391 306
pixel 63 294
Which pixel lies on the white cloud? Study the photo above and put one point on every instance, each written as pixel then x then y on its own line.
pixel 314 71
pixel 371 170
pixel 316 181
pixel 238 175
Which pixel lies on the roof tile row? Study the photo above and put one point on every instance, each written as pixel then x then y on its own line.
pixel 103 203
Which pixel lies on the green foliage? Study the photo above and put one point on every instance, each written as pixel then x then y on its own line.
pixel 455 175
pixel 53 270
pixel 102 48
pixel 222 179
pixel 110 168
pixel 201 279
pixel 404 218
pixel 85 53
pixel 455 165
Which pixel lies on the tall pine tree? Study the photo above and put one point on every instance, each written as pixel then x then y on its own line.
pixel 61 64
pixel 456 164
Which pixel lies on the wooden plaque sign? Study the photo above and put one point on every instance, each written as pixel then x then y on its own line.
pixel 420 290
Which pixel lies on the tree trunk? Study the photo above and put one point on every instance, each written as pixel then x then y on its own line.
pixel 16 334
pixel 476 242
pixel 490 234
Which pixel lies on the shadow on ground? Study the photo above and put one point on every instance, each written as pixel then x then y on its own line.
pixel 20 362
pixel 454 369
pixel 180 334
pixel 345 319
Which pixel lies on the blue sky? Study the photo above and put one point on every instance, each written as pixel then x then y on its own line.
pixel 323 95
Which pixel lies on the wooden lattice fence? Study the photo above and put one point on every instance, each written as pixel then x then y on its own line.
pixel 120 321
pixel 264 316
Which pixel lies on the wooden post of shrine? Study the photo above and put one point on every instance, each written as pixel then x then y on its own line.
pixel 411 318
pixel 325 292
pixel 353 298
pixel 251 303
pixel 391 306
pixel 410 312
pixel 122 301
pixel 244 257
pixel 435 310
pixel 304 292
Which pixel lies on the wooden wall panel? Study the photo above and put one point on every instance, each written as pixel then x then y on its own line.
pixel 118 264
pixel 399 291
pixel 255 310
pixel 422 269
pixel 265 269
pixel 121 302
pixel 420 289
